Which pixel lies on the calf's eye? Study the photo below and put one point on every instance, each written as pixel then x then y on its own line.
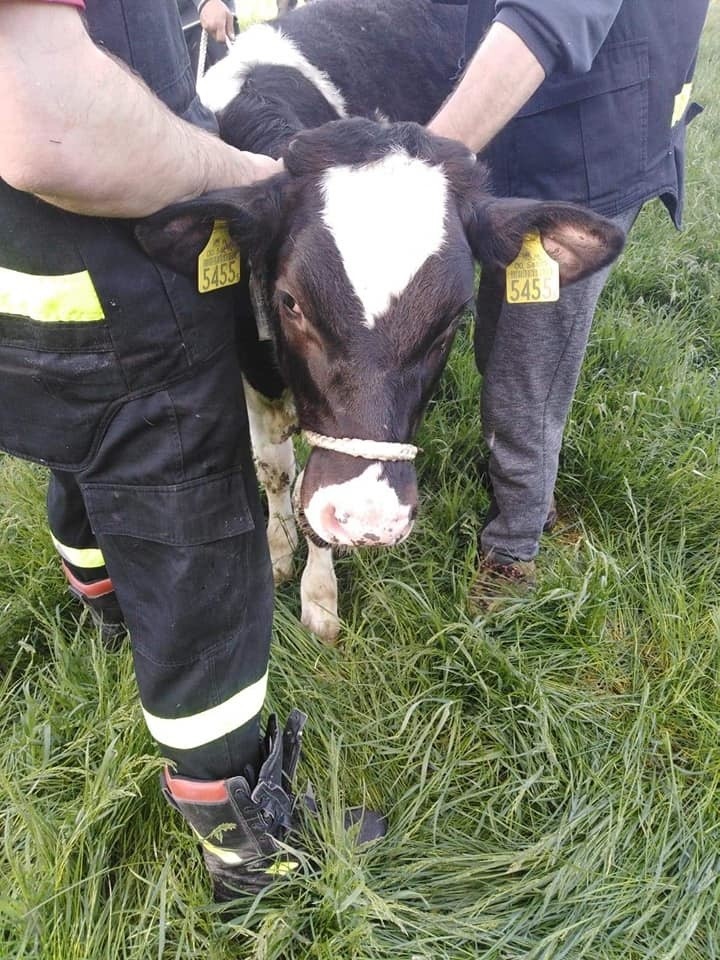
pixel 290 304
pixel 294 321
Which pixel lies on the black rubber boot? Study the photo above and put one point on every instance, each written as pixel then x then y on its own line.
pixel 100 599
pixel 239 821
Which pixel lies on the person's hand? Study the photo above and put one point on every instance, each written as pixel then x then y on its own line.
pixel 261 166
pixel 218 20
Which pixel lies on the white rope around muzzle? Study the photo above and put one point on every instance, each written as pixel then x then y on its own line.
pixel 202 57
pixel 202 54
pixel 386 450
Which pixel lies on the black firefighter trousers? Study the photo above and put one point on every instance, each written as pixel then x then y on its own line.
pixel 169 505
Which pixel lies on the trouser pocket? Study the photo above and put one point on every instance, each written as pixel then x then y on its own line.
pixel 192 573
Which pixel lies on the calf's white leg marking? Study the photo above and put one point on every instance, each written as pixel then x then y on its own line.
pixel 271 424
pixel 318 586
pixel 318 594
pixel 386 219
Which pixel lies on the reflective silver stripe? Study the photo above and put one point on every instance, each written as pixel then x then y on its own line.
pixel 86 559
pixel 70 298
pixel 186 733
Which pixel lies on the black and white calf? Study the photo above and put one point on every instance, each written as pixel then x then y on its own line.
pixel 394 59
pixel 362 258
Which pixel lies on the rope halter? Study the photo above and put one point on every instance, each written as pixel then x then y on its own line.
pixel 202 55
pixel 364 449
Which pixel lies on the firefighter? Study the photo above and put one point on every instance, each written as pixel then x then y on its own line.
pixel 121 377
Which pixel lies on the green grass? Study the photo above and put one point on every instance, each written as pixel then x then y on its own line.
pixel 248 13
pixel 552 772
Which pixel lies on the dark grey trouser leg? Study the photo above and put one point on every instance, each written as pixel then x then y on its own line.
pixel 530 357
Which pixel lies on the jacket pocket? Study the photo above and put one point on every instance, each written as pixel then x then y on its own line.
pixel 564 142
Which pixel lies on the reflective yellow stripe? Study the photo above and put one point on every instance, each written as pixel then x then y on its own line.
pixel 63 299
pixel 186 733
pixel 227 856
pixel 281 867
pixel 277 869
pixel 87 559
pixel 681 103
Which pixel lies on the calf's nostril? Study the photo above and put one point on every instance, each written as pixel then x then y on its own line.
pixel 333 528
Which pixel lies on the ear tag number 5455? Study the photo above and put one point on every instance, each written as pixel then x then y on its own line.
pixel 533 276
pixel 219 261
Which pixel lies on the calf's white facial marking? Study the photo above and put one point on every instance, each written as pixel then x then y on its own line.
pixel 386 219
pixel 361 511
pixel 258 45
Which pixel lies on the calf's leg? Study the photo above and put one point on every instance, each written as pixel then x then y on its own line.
pixel 318 586
pixel 272 422
pixel 318 594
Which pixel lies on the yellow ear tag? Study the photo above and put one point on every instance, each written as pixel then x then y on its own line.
pixel 533 276
pixel 219 261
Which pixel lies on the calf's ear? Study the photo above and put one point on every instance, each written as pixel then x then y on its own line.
pixel 176 235
pixel 578 239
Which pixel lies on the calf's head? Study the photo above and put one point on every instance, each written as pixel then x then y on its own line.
pixel 362 256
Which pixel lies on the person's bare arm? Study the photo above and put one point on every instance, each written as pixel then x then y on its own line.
pixel 81 131
pixel 499 80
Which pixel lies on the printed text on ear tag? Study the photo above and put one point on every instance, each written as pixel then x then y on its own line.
pixel 219 261
pixel 533 276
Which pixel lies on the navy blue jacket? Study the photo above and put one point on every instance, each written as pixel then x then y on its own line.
pixel 607 126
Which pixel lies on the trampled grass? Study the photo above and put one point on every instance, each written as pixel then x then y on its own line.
pixel 551 772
